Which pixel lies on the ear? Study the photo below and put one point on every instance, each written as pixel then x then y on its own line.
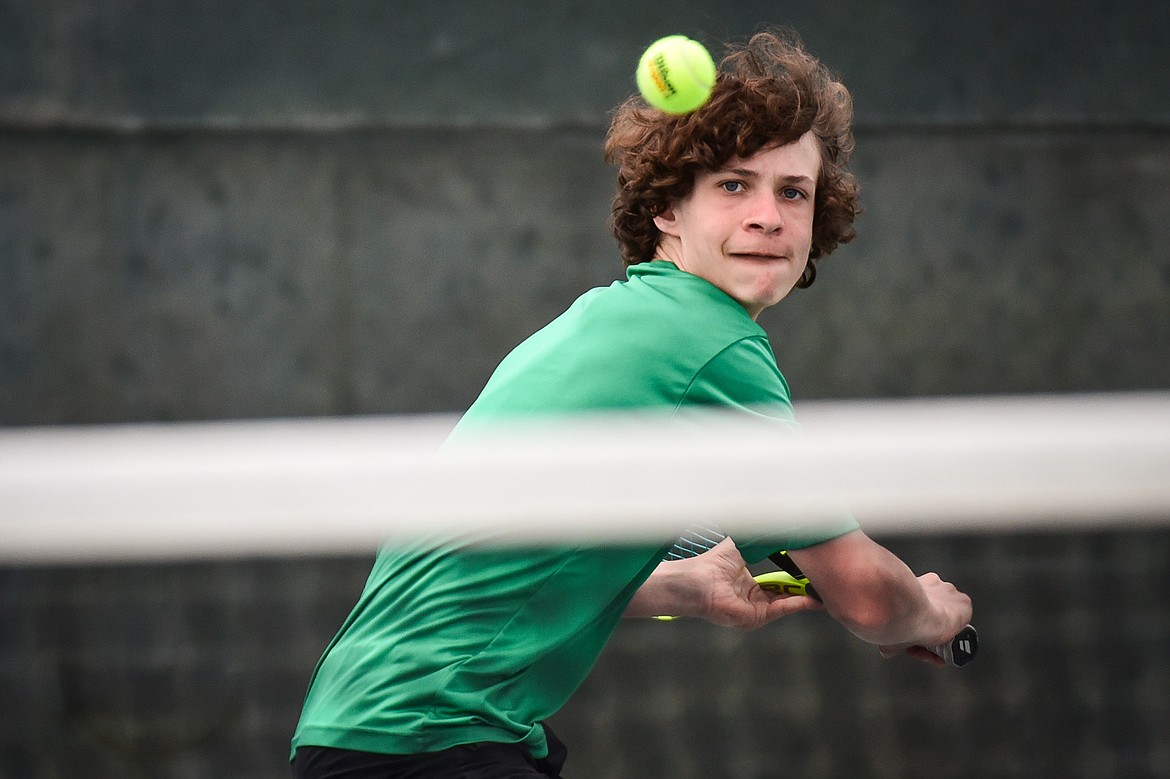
pixel 667 221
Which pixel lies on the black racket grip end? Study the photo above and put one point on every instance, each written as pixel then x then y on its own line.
pixel 961 649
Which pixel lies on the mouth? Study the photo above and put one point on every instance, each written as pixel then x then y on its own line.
pixel 760 256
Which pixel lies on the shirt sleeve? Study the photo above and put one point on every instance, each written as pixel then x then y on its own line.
pixel 755 549
pixel 744 377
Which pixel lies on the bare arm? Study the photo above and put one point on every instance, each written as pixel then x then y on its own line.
pixel 878 598
pixel 715 586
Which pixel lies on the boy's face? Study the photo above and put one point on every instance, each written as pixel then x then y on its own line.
pixel 747 228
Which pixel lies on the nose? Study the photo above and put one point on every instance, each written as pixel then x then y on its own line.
pixel 764 214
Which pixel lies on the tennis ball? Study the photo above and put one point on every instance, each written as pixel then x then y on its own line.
pixel 676 74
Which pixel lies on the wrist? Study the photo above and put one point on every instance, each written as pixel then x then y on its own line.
pixel 672 589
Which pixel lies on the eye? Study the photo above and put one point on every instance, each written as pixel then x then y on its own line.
pixel 792 193
pixel 732 186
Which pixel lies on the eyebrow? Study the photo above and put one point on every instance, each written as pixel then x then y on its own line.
pixel 790 179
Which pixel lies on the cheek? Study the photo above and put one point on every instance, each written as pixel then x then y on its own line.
pixel 804 236
pixel 810 220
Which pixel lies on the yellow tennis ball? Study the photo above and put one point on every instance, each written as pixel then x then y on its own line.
pixel 676 74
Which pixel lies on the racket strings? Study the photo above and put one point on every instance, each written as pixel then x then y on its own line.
pixel 695 540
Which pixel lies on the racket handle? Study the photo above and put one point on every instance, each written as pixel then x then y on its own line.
pixel 960 650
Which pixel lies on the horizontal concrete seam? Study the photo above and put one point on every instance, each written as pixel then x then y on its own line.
pixel 136 127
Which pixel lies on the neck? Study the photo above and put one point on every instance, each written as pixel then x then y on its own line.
pixel 668 249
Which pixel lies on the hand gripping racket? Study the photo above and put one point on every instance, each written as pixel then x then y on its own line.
pixel 780 582
pixel 790 580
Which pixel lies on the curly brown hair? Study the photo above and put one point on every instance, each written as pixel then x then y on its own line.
pixel 768 92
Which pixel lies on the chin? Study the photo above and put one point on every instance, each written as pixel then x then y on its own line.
pixel 772 295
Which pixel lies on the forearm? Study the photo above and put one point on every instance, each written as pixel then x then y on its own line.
pixel 876 596
pixel 887 605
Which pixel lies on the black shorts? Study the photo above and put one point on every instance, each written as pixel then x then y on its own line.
pixel 483 760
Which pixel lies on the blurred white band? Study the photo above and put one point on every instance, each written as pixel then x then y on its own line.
pixel 321 486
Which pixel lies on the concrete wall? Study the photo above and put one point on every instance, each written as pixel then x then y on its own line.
pixel 223 209
pixel 218 209
pixel 197 670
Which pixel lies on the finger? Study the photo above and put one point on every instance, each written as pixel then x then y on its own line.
pixel 916 652
pixel 791 604
pixel 925 655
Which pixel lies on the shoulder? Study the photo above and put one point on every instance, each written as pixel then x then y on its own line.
pixel 673 301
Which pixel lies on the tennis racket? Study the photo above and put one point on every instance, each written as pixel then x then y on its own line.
pixel 957 652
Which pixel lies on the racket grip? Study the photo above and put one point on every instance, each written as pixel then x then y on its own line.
pixel 961 649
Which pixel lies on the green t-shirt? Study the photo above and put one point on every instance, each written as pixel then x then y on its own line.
pixel 455 641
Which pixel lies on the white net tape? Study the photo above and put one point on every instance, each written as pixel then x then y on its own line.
pixel 344 485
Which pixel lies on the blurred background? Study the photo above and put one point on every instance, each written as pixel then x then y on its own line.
pixel 214 210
